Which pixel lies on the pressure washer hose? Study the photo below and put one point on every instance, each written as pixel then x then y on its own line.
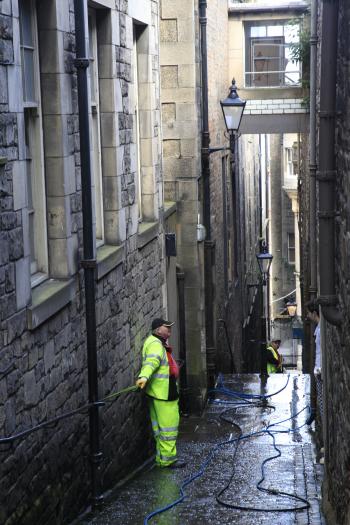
pixel 245 400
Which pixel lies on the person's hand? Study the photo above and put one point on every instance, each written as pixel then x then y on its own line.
pixel 141 382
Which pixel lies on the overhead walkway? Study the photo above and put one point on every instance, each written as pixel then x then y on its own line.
pixel 274 115
pixel 232 444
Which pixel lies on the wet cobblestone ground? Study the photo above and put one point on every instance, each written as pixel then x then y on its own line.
pixel 295 471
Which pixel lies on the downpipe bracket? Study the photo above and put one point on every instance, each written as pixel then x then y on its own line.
pixel 326 176
pixel 88 263
pixel 81 63
pixel 327 300
pixel 327 214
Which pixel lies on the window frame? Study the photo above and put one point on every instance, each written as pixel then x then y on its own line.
pixel 291 247
pixel 34 155
pixel 95 119
pixel 249 61
pixel 289 166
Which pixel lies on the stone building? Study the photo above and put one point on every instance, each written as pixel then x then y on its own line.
pixel 261 42
pixel 42 327
pixel 213 265
pixel 332 234
pixel 209 262
pixel 150 176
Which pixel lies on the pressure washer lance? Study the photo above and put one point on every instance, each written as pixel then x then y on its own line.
pixel 110 397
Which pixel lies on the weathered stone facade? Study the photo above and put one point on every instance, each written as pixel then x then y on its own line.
pixel 250 232
pixel 336 342
pixel 182 107
pixel 45 476
pixel 226 206
pixel 180 83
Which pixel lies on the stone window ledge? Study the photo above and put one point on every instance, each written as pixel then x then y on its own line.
pixel 108 258
pixel 47 299
pixel 169 208
pixel 146 233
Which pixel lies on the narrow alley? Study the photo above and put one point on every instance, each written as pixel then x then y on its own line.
pixel 174 234
pixel 223 467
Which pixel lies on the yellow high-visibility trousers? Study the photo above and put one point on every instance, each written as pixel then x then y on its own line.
pixel 165 419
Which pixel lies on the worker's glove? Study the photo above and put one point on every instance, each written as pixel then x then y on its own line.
pixel 141 382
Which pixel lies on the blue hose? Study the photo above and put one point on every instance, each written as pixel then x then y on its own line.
pixel 223 390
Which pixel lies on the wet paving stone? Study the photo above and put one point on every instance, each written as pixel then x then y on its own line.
pixel 210 443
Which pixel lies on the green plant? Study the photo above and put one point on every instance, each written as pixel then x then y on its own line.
pixel 300 52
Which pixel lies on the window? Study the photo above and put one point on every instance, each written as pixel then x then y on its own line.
pixel 96 164
pixel 145 141
pixel 137 121
pixel 288 154
pixel 268 60
pixel 291 248
pixel 34 150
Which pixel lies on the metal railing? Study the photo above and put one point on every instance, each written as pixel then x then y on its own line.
pixel 262 79
pixel 269 62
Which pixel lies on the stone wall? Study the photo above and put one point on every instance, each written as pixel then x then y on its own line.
pixel 226 209
pixel 249 201
pixel 180 103
pixel 45 477
pixel 337 341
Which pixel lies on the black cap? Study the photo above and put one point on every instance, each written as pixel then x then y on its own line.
pixel 156 323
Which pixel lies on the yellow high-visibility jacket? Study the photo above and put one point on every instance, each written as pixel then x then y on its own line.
pixel 155 368
pixel 271 367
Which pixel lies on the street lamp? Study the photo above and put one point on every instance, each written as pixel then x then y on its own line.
pixel 264 259
pixel 232 108
pixel 292 309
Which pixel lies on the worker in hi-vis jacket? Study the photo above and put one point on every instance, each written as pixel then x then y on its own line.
pixel 158 377
pixel 274 358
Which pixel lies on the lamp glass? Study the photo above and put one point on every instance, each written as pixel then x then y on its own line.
pixel 233 115
pixel 264 262
pixel 292 309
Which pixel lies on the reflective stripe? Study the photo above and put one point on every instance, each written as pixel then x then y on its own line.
pixel 161 376
pixel 167 438
pixel 168 429
pixel 150 364
pixel 154 355
pixel 168 458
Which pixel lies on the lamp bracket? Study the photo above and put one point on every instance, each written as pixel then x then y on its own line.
pixel 219 148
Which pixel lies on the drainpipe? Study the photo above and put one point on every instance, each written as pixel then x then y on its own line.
pixel 205 118
pixel 312 164
pixel 184 391
pixel 327 172
pixel 309 360
pixel 89 263
pixel 208 244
